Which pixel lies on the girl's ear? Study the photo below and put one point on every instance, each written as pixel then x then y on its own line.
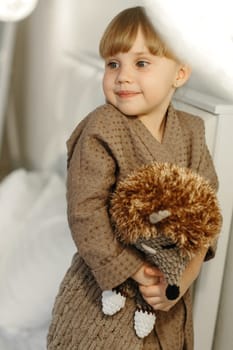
pixel 183 74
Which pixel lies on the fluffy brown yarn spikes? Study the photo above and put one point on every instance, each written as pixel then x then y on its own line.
pixel 195 219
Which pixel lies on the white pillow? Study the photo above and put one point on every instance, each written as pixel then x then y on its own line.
pixel 201 33
pixel 35 248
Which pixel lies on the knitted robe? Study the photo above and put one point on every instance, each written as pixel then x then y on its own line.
pixel 104 148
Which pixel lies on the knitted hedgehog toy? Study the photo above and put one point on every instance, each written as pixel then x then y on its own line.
pixel 170 214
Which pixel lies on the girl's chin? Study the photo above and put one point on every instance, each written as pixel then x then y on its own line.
pixel 127 110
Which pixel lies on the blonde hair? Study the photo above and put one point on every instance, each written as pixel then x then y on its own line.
pixel 121 33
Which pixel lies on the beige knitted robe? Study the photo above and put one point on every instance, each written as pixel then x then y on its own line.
pixel 104 148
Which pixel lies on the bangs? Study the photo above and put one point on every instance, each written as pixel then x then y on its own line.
pixel 122 31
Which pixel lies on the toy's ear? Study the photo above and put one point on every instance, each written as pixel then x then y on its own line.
pixel 159 216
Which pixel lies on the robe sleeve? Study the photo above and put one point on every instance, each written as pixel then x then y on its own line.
pixel 90 179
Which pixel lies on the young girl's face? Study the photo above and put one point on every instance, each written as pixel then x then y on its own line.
pixel 139 83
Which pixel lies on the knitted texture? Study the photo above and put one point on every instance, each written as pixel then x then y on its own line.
pixel 79 324
pixel 169 261
pixel 112 302
pixel 73 329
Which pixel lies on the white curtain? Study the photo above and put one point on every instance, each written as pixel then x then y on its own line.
pixel 7 35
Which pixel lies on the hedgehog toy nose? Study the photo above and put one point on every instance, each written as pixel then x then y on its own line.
pixel 172 292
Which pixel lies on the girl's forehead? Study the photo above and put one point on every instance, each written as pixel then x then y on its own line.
pixel 139 42
pixel 137 47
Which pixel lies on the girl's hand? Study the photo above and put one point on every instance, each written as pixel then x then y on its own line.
pixel 147 275
pixel 155 295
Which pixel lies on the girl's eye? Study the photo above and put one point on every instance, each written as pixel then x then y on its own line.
pixel 142 64
pixel 113 65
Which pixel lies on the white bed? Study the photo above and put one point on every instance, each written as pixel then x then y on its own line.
pixel 35 249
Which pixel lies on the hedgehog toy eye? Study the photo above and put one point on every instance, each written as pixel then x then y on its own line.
pixel 168 246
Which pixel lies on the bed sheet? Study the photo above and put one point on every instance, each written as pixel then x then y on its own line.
pixel 35 251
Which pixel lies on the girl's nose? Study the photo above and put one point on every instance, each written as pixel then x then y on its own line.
pixel 124 75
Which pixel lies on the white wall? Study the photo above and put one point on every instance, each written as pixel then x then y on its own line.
pixel 224 333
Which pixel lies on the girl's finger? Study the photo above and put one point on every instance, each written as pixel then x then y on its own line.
pixel 151 291
pixel 153 271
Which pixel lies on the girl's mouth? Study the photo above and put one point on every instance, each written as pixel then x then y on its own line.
pixel 127 93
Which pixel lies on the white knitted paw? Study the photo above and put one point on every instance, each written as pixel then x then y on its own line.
pixel 112 302
pixel 143 323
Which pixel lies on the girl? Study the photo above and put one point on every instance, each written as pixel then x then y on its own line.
pixel 136 126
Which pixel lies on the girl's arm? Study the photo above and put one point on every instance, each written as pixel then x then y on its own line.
pixel 90 180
